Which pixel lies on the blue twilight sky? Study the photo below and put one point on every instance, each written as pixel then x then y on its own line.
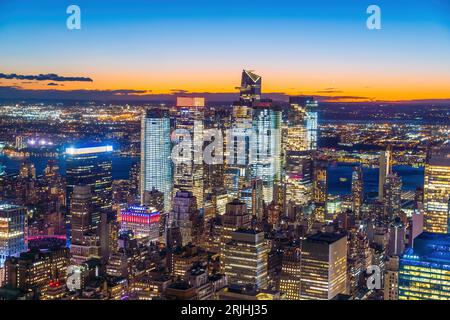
pixel 298 46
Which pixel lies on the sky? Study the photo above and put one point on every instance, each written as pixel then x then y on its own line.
pixel 166 47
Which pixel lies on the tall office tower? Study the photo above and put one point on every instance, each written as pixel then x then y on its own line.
pixel 358 258
pixel 291 271
pixel 298 149
pixel 236 217
pixel 390 290
pixel 357 191
pixel 91 166
pixel 85 240
pixel 425 270
pixel 250 89
pixel 246 258
pixel 13 231
pixel 188 153
pixel 324 266
pixel 397 237
pixel 186 216
pixel 134 180
pixel 320 191
pixel 265 147
pixel 385 170
pixel 437 191
pixel 392 195
pixel 156 162
pixel 237 152
pixel 311 123
pixel 80 213
pixel 253 195
pixel 142 221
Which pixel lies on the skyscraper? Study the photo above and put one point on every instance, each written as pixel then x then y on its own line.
pixel 185 215
pixel 142 221
pixel 311 123
pixel 320 191
pixel 437 191
pixel 392 195
pixel 80 213
pixel 236 217
pixel 246 258
pixel 324 266
pixel 188 162
pixel 357 191
pixel 91 166
pixel 298 148
pixel 13 229
pixel 385 170
pixel 291 271
pixel 425 270
pixel 250 89
pixel 85 236
pixel 265 147
pixel 156 162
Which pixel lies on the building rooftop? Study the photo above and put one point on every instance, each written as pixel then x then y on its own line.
pixel 325 237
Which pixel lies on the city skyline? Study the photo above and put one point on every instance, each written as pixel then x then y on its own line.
pixel 136 165
pixel 157 50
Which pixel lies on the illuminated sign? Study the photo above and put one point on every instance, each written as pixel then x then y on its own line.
pixel 80 151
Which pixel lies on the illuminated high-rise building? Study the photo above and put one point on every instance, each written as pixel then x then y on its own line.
pixel 320 191
pixel 392 195
pixel 323 266
pixel 91 166
pixel 188 152
pixel 236 217
pixel 424 272
pixel 13 229
pixel 265 147
pixel 156 162
pixel 385 164
pixel 311 123
pixel 299 143
pixel 246 258
pixel 390 290
pixel 237 152
pixel 80 213
pixel 85 240
pixel 186 217
pixel 291 271
pixel 142 221
pixel 357 191
pixel 437 191
pixel 250 89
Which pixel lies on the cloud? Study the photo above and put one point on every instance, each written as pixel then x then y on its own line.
pixel 127 95
pixel 329 90
pixel 43 77
pixel 54 84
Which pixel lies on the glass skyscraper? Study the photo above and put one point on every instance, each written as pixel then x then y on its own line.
pixel 13 226
pixel 91 166
pixel 424 272
pixel 437 191
pixel 300 141
pixel 265 147
pixel 250 90
pixel 156 163
pixel 189 169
